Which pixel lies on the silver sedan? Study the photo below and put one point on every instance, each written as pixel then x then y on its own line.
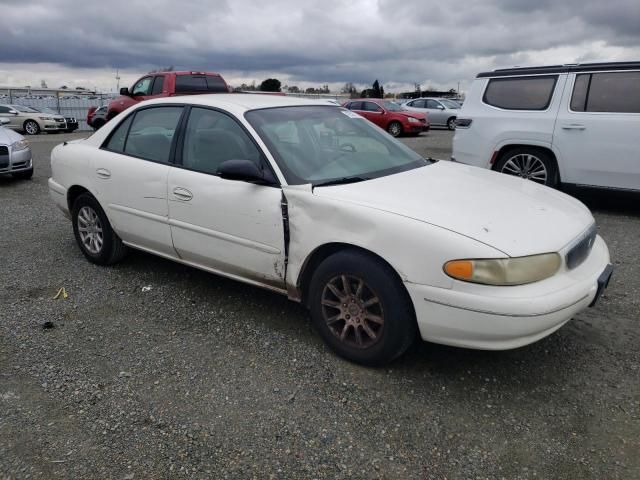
pixel 441 111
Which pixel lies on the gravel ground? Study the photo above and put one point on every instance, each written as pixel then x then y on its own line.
pixel 202 377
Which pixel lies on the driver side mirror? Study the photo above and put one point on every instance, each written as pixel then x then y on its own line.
pixel 125 91
pixel 440 107
pixel 13 112
pixel 245 171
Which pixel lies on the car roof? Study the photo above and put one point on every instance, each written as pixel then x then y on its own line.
pixel 576 67
pixel 241 101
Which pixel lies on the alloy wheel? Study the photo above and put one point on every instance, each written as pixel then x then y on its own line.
pixel 352 311
pixel 526 166
pixel 395 129
pixel 31 127
pixel 90 230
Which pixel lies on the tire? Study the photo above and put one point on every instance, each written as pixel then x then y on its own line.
pixel 98 124
pixel 542 167
pixel 390 319
pixel 31 127
pixel 395 129
pixel 23 175
pixel 451 123
pixel 111 249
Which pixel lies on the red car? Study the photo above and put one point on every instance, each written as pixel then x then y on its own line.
pixel 389 116
pixel 167 84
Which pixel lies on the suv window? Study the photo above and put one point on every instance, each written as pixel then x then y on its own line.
pixel 200 83
pixel 617 92
pixel 371 107
pixel 520 93
pixel 142 87
pixel 158 83
pixel 151 133
pixel 212 137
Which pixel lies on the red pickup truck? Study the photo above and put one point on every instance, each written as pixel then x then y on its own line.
pixel 167 84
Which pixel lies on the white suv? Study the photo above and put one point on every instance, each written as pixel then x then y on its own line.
pixel 576 124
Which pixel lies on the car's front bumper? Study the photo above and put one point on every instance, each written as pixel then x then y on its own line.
pixel 53 126
pixel 16 161
pixel 500 318
pixel 58 194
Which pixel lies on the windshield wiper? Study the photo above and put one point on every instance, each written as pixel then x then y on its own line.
pixel 340 181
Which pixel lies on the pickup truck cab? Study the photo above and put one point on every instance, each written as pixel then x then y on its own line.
pixel 166 84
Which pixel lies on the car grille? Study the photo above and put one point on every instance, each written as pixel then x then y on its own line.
pixel 4 156
pixel 580 250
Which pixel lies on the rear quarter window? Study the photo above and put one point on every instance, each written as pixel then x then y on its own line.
pixel 520 93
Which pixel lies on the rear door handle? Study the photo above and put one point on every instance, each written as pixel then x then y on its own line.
pixel 574 126
pixel 103 173
pixel 182 194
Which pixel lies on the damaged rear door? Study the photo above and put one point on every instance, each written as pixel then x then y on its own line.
pixel 230 226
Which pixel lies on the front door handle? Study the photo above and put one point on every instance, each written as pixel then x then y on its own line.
pixel 103 173
pixel 182 194
pixel 574 126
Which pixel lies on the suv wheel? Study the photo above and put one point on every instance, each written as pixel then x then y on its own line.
pixel 529 163
pixel 31 127
pixel 93 232
pixel 395 129
pixel 361 309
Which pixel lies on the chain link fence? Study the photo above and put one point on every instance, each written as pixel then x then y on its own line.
pixel 69 103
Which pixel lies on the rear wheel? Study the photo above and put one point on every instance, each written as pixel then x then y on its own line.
pixel 93 232
pixel 395 129
pixel 361 309
pixel 31 127
pixel 529 163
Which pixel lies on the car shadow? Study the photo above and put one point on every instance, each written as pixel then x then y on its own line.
pixel 607 200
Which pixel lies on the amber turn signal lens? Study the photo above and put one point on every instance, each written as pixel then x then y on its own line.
pixel 461 269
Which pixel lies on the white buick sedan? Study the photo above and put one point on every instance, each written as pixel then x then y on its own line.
pixel 313 201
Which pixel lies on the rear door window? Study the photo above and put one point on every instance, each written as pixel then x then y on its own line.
pixel 370 107
pixel 158 83
pixel 614 92
pixel 520 93
pixel 152 132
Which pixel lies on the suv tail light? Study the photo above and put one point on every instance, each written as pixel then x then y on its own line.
pixel 463 122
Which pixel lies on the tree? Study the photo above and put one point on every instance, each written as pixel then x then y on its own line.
pixel 376 90
pixel 293 89
pixel 270 85
pixel 163 69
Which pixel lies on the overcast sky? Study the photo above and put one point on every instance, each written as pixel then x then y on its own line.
pixel 398 42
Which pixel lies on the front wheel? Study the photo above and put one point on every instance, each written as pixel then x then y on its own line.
pixel 451 123
pixel 531 164
pixel 395 129
pixel 31 127
pixel 361 309
pixel 96 239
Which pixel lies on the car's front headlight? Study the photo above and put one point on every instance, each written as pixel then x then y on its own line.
pixel 413 120
pixel 504 271
pixel 19 145
pixel 46 118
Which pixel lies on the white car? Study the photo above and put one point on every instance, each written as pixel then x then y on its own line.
pixel 15 153
pixel 312 201
pixel 573 124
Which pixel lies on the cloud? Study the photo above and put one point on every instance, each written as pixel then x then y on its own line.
pixel 325 42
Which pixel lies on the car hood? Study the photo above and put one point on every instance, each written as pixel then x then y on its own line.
pixel 515 216
pixel 7 136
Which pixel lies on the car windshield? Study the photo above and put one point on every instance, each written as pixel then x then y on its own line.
pixel 450 104
pixel 24 109
pixel 393 106
pixel 320 144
